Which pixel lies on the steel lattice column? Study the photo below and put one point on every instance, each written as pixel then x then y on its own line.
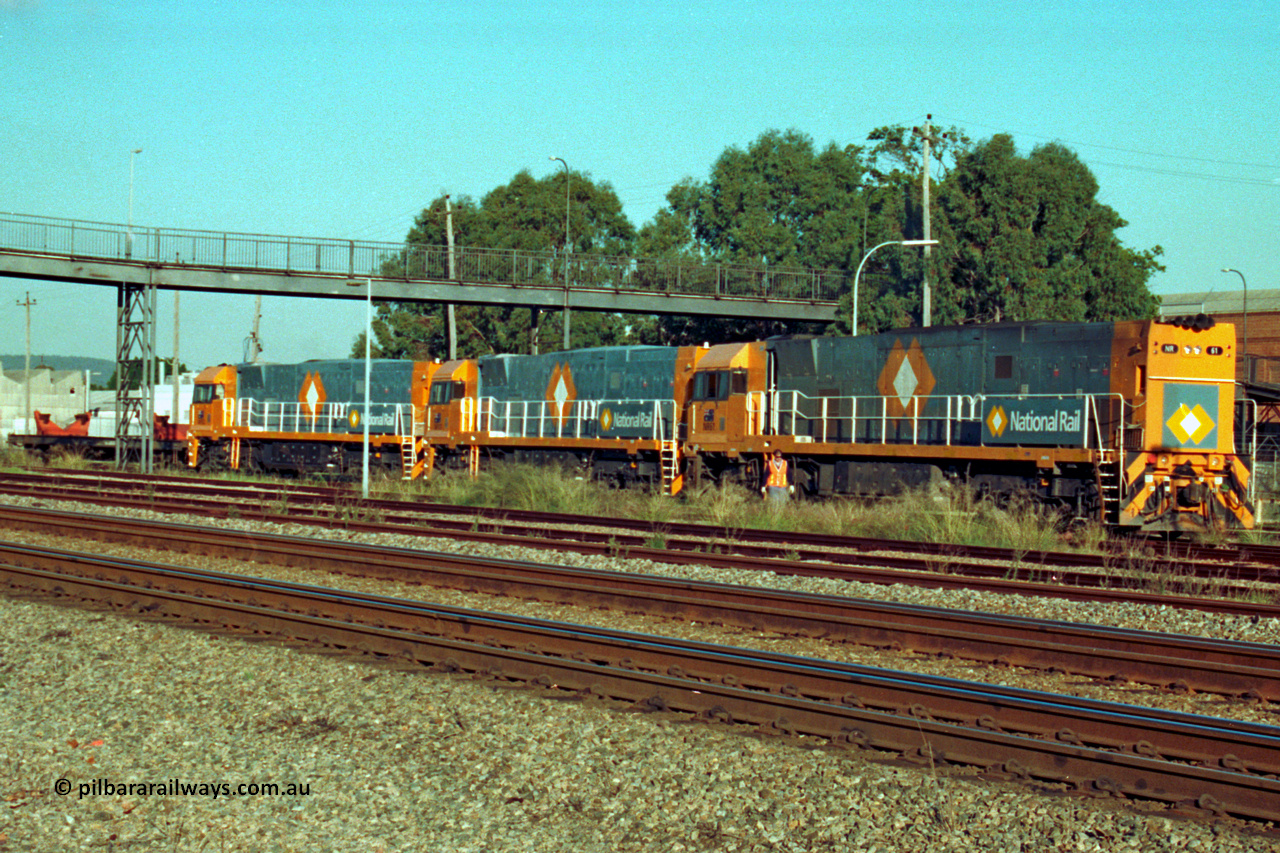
pixel 135 361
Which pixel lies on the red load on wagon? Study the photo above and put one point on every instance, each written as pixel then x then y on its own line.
pixel 46 426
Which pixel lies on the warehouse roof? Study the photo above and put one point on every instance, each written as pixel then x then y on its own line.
pixel 1219 302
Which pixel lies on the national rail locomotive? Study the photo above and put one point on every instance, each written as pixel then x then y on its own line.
pixel 1131 423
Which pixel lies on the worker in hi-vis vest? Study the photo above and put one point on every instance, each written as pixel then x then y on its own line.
pixel 777 487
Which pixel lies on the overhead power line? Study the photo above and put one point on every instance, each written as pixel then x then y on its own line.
pixel 1163 154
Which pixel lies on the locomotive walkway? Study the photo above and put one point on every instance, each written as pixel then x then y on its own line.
pixel 71 250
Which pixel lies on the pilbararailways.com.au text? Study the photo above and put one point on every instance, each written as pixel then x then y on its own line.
pixel 179 788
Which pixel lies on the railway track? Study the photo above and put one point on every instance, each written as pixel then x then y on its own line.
pixel 1242 561
pixel 1201 764
pixel 927 570
pixel 1245 670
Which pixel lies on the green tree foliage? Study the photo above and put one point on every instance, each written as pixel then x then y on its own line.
pixel 1020 238
pixel 1025 238
pixel 527 214
pixel 779 203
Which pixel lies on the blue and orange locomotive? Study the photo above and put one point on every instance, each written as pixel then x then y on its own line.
pixel 1131 423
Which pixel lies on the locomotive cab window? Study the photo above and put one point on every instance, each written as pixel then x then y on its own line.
pixel 444 392
pixel 711 385
pixel 207 393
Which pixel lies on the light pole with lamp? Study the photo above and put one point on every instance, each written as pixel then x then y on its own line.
pixel 853 329
pixel 1244 350
pixel 364 416
pixel 128 240
pixel 566 249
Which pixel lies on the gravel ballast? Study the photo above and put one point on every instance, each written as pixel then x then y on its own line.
pixel 397 760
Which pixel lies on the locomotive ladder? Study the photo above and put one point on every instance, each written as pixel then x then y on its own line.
pixel 668 448
pixel 1108 473
pixel 411 446
pixel 669 460
pixel 1107 468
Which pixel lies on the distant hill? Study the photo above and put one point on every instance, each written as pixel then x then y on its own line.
pixel 101 367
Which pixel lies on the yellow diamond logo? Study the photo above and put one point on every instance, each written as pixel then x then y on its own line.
pixel 1190 425
pixel 606 420
pixel 997 421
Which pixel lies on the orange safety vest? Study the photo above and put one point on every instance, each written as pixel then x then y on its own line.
pixel 777 474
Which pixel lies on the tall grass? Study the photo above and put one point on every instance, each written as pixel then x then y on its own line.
pixel 14 458
pixel 951 515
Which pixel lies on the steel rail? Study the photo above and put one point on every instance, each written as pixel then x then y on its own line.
pixel 1163 660
pixel 865 568
pixel 1100 747
pixel 1211 564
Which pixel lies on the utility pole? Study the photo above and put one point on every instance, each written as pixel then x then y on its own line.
pixel 566 249
pixel 174 417
pixel 453 276
pixel 128 240
pixel 927 308
pixel 255 344
pixel 927 136
pixel 27 413
pixel 928 296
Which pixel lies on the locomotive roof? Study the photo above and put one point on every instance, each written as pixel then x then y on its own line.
pixel 321 361
pixel 562 353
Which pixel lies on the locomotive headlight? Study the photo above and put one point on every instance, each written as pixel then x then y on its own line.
pixel 1164 462
pixel 1215 461
pixel 1186 350
pixel 1196 350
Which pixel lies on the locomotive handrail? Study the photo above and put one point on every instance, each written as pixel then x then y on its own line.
pixel 959 408
pixel 467 414
pixel 756 412
pixel 1248 429
pixel 536 418
pixel 323 418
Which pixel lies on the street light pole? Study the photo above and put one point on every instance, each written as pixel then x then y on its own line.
pixel 1244 350
pixel 853 329
pixel 128 242
pixel 364 416
pixel 566 249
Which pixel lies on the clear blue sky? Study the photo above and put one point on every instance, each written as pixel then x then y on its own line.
pixel 345 119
